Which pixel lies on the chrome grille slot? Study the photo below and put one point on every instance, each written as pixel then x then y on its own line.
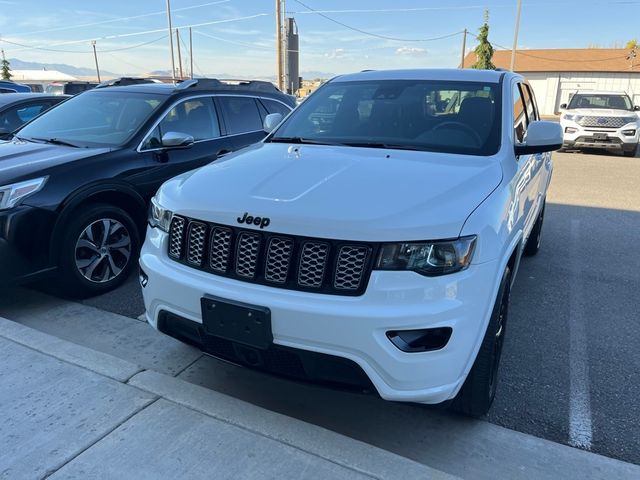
pixel 350 267
pixel 278 259
pixel 247 254
pixel 220 249
pixel 176 237
pixel 604 122
pixel 313 263
pixel 195 242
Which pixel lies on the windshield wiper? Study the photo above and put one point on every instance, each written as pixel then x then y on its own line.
pixel 381 145
pixel 299 140
pixel 54 141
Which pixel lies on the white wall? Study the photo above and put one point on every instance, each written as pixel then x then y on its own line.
pixel 553 88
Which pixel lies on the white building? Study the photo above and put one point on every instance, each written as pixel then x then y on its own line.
pixel 40 76
pixel 555 74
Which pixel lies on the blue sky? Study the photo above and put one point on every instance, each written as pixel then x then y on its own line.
pixel 243 45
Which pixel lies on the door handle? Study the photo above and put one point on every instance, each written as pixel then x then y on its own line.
pixel 222 152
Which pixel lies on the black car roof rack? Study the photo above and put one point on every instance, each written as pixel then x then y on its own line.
pixel 123 81
pixel 214 83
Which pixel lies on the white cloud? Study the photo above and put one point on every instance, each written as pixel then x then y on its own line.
pixel 411 51
pixel 336 53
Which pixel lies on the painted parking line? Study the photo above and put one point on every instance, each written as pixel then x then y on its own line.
pixel 580 428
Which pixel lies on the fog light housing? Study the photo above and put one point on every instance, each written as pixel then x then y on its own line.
pixel 423 340
pixel 570 130
pixel 629 133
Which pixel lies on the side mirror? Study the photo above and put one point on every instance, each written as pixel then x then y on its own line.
pixel 541 137
pixel 271 121
pixel 177 139
pixel 563 106
pixel 636 108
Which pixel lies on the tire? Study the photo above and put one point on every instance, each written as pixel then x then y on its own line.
pixel 535 238
pixel 631 153
pixel 91 262
pixel 479 389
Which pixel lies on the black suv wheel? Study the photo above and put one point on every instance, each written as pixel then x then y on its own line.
pixel 98 251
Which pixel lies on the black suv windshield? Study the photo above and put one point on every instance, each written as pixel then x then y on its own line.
pixel 439 116
pixel 591 100
pixel 104 118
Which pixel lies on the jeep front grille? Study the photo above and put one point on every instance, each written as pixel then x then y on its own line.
pixel 285 261
pixel 604 122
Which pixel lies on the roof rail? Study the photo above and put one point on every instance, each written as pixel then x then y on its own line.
pixel 122 81
pixel 210 83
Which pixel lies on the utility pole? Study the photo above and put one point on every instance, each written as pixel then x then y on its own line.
pixel 179 54
pixel 191 52
pixel 173 64
pixel 95 57
pixel 279 44
pixel 515 37
pixel 464 47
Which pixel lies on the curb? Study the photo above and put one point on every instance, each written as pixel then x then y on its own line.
pixel 311 439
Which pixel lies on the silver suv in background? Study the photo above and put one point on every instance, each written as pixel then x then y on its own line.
pixel 602 120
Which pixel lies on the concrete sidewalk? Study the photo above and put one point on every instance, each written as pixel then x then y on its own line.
pixel 70 412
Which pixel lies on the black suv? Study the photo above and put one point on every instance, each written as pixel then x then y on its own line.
pixel 75 182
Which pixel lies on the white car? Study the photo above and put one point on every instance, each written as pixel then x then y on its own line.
pixel 602 120
pixel 374 248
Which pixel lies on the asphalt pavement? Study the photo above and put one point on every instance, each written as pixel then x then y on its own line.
pixel 570 368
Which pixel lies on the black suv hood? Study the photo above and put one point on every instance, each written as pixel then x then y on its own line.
pixel 20 159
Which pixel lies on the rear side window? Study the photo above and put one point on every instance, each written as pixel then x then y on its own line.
pixel 275 107
pixel 529 102
pixel 519 115
pixel 241 114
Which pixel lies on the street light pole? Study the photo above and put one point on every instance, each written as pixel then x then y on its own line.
pixel 279 43
pixel 179 53
pixel 515 37
pixel 95 57
pixel 173 64
pixel 191 52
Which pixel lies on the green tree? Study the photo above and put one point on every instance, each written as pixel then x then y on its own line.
pixel 5 71
pixel 484 50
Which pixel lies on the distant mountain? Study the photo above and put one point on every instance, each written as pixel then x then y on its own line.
pixel 17 64
pixel 313 74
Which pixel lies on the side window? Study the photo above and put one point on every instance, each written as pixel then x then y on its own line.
pixel 519 115
pixel 196 117
pixel 241 114
pixel 529 101
pixel 30 112
pixel 275 107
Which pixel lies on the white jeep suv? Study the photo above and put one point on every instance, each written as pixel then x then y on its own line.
pixel 370 240
pixel 602 120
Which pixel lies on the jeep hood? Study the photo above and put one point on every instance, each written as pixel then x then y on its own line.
pixel 345 193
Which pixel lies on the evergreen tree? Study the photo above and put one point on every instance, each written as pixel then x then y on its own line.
pixel 5 71
pixel 484 50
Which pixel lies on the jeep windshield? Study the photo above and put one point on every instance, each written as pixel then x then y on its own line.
pixel 442 116
pixel 591 100
pixel 97 118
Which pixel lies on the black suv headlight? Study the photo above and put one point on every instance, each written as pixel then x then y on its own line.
pixel 11 195
pixel 428 258
pixel 159 217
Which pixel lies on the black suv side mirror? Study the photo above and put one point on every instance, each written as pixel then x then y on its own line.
pixel 563 106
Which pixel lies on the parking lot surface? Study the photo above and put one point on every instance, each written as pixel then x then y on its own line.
pixel 570 371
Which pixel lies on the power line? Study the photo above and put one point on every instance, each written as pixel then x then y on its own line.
pixel 124 35
pixel 112 20
pixel 371 34
pixel 81 51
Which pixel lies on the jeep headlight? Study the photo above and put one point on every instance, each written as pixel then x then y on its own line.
pixel 11 195
pixel 428 258
pixel 159 217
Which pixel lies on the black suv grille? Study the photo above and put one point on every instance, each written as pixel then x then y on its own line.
pixel 297 263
